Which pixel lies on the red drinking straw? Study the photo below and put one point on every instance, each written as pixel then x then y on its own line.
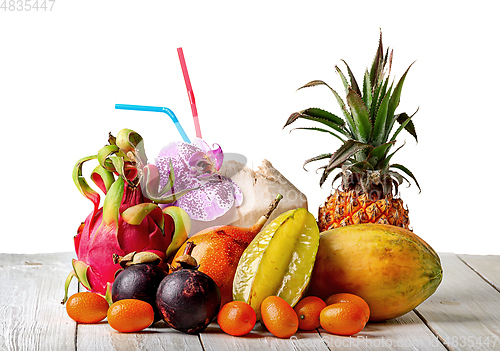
pixel 190 93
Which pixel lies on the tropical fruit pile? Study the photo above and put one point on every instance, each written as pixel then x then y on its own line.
pixel 358 261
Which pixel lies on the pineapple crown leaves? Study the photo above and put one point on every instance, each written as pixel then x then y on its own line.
pixel 369 116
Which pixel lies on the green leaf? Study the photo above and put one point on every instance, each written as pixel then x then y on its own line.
pixel 388 60
pixel 172 198
pixel 395 175
pixel 402 126
pixel 379 153
pixel 394 102
pixel 321 130
pixel 375 104
pixel 134 215
pixel 317 112
pixel 104 153
pixel 112 202
pixel 345 111
pixel 346 151
pixel 359 167
pixel 383 90
pixel 69 278
pixel 150 183
pixel 407 171
pixel 324 176
pixel 337 176
pixel 383 165
pixel 354 84
pixel 158 217
pixel 367 91
pixel 316 158
pixel 343 78
pixel 81 182
pixel 111 139
pixel 353 131
pixel 378 63
pixel 337 96
pixel 378 96
pixel 102 178
pixel 409 127
pixel 380 120
pixel 129 141
pixel 80 269
pixel 296 115
pixel 118 165
pixel 171 179
pixel 360 115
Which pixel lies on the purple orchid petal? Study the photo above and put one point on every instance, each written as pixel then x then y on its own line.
pixel 215 197
pixel 201 164
pixel 217 156
pixel 195 165
pixel 201 144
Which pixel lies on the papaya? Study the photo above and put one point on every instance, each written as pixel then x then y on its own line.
pixel 391 268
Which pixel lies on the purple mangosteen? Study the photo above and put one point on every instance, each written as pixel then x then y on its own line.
pixel 187 299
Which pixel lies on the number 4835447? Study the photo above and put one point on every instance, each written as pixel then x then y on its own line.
pixel 27 5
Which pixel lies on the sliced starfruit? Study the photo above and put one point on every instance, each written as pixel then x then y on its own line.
pixel 279 261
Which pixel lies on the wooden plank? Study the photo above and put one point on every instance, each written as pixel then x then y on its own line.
pixel 462 314
pixel 31 314
pixel 464 310
pixel 487 266
pixel 101 336
pixel 407 332
pixel 214 339
pixel 403 333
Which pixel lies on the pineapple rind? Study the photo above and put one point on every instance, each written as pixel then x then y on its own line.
pixel 347 208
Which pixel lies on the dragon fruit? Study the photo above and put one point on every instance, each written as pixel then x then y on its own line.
pixel 130 219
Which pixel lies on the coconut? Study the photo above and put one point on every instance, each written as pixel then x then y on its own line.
pixel 259 188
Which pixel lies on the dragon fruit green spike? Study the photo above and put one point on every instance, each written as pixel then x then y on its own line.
pixel 196 166
pixel 130 219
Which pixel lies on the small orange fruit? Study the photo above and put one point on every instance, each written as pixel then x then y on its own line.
pixel 87 307
pixel 236 318
pixel 308 310
pixel 279 317
pixel 130 315
pixel 343 318
pixel 346 297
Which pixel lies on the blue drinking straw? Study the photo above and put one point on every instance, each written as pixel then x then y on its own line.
pixel 157 109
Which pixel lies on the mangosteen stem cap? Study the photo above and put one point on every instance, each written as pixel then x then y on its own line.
pixel 136 258
pixel 186 261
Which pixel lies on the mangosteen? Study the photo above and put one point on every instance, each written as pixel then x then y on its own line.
pixel 187 299
pixel 139 279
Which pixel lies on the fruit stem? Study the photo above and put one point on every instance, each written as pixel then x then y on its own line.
pixel 186 261
pixel 262 220
pixel 189 248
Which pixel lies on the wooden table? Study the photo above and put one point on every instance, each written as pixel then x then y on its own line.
pixel 463 314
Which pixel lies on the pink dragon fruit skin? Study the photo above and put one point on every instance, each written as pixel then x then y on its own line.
pixel 128 221
pixel 96 243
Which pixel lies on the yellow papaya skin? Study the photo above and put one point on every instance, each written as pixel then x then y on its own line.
pixel 391 268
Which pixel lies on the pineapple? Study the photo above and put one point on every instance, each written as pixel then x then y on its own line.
pixel 369 182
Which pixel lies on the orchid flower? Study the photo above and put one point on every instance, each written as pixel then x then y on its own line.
pixel 196 166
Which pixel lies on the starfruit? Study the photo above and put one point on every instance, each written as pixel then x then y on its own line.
pixel 278 261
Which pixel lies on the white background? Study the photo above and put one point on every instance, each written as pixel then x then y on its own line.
pixel 62 72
